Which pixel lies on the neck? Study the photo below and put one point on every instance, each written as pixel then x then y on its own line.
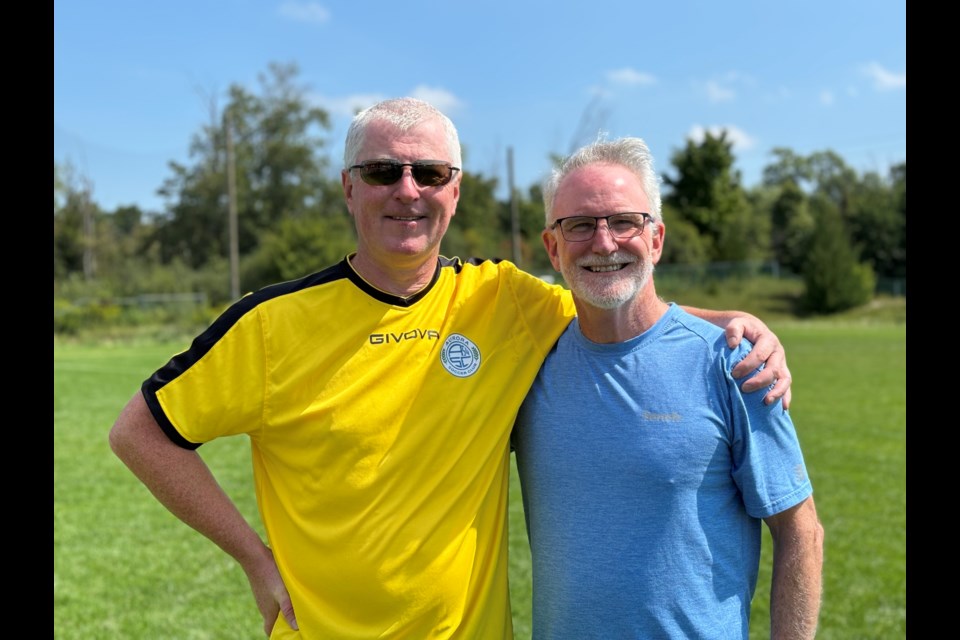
pixel 607 326
pixel 403 280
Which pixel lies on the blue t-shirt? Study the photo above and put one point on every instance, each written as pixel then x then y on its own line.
pixel 645 474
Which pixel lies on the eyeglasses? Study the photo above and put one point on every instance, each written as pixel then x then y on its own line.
pixel 426 173
pixel 620 225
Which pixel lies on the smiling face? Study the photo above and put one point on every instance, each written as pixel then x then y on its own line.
pixel 604 272
pixel 399 226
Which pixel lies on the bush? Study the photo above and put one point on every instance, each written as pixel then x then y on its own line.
pixel 835 279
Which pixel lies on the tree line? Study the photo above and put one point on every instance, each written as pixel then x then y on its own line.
pixel 813 215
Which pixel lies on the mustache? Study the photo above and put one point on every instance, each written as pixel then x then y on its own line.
pixel 620 257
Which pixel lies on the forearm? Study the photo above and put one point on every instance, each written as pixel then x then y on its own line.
pixel 182 482
pixel 796 584
pixel 713 316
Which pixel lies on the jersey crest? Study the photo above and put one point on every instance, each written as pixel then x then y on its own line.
pixel 460 356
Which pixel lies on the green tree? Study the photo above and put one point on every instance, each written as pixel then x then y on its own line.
pixel 834 278
pixel 787 167
pixel 834 180
pixel 784 192
pixel 531 215
pixel 120 238
pixel 683 243
pixel 791 227
pixel 280 172
pixel 77 225
pixel 707 194
pixel 898 176
pixel 67 225
pixel 475 230
pixel 872 210
pixel 296 247
pixel 878 224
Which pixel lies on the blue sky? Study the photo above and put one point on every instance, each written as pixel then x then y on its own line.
pixel 134 81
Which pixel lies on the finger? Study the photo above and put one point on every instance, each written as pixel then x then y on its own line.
pixel 763 353
pixel 765 380
pixel 775 376
pixel 734 333
pixel 786 398
pixel 287 609
pixel 779 390
pixel 269 618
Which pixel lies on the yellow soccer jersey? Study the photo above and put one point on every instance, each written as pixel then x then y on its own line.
pixel 380 433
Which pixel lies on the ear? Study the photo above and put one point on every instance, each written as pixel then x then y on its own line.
pixel 550 244
pixel 456 191
pixel 347 184
pixel 656 241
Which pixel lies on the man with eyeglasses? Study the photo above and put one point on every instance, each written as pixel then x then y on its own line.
pixel 645 470
pixel 378 396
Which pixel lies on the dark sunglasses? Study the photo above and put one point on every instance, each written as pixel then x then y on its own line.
pixel 426 173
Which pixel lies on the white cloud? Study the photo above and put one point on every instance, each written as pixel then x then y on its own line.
pixel 741 140
pixel 884 80
pixel 718 93
pixel 440 98
pixel 826 98
pixel 630 77
pixel 305 12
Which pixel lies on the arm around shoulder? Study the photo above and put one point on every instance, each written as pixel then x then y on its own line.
pixel 767 351
pixel 795 590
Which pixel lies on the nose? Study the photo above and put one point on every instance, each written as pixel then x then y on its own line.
pixel 603 242
pixel 407 188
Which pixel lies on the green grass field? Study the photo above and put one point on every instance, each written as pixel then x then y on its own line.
pixel 126 568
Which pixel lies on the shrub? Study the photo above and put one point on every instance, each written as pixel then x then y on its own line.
pixel 835 279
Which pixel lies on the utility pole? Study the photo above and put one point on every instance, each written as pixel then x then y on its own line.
pixel 232 212
pixel 514 211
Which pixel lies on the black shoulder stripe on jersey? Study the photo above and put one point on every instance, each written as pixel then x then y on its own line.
pixel 457 264
pixel 205 341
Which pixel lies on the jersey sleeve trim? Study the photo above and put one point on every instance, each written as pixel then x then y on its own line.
pixel 202 344
pixel 165 425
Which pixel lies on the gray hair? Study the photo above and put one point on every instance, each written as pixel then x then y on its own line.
pixel 631 153
pixel 404 114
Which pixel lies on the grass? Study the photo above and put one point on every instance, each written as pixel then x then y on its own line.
pixel 126 568
pixel 850 410
pixel 776 300
pixel 123 566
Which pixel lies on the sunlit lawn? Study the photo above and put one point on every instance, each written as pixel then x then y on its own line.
pixel 125 568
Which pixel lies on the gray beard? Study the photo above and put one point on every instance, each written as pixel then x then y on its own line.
pixel 612 296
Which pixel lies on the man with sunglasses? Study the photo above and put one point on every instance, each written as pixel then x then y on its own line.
pixel 645 470
pixel 378 396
